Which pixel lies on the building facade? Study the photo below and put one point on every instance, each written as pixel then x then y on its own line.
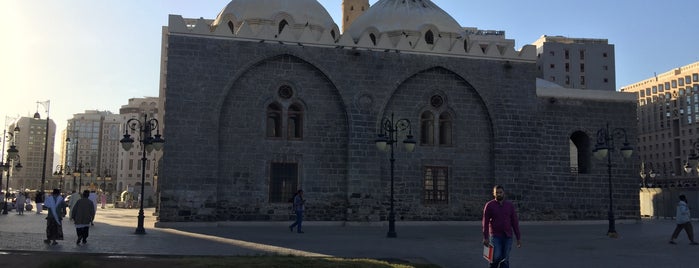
pixel 262 101
pixel 31 143
pixel 668 123
pixel 130 162
pixel 582 63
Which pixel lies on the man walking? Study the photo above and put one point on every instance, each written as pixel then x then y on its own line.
pixel 83 213
pixel 683 222
pixel 499 222
pixel 298 208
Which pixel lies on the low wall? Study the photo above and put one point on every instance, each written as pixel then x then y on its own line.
pixel 660 203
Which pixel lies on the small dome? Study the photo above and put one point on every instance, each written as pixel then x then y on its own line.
pixel 308 12
pixel 404 15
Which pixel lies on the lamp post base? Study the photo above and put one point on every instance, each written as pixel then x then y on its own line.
pixel 613 234
pixel 391 226
pixel 140 230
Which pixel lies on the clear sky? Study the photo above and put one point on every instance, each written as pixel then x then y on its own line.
pixel 95 55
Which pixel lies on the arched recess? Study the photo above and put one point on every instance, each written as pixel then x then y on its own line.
pixel 580 152
pixel 246 156
pixel 469 160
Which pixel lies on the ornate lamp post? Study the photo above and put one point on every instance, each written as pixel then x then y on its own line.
pixel 148 143
pixel 692 159
pixel 12 154
pixel 11 157
pixel 388 136
pixel 46 105
pixel 605 143
pixel 79 171
pixel 59 172
pixel 75 152
pixel 644 175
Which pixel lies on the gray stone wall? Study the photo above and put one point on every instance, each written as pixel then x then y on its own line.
pixel 217 161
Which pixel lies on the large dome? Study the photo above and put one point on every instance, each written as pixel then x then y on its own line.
pixel 308 12
pixel 404 15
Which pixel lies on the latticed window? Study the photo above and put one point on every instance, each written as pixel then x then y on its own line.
pixel 436 190
pixel 283 181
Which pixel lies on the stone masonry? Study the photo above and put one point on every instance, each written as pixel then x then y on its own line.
pixel 216 165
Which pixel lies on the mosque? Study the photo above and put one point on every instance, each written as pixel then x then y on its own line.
pixel 271 96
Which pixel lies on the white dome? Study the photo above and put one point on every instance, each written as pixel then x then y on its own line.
pixel 308 12
pixel 404 15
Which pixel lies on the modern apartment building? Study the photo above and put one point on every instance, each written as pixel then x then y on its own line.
pixel 668 121
pixel 91 141
pixel 30 142
pixel 581 63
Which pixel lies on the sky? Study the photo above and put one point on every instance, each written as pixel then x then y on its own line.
pixel 95 55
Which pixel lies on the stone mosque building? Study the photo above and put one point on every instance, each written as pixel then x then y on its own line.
pixel 271 96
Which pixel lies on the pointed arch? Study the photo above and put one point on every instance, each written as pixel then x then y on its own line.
pixel 295 122
pixel 445 129
pixel 427 128
pixel 580 152
pixel 282 25
pixel 274 120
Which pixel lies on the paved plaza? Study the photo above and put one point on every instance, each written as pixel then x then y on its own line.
pixel 447 244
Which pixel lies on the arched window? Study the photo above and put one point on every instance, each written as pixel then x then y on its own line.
pixel 580 153
pixel 295 122
pixel 274 121
pixel 231 26
pixel 282 24
pixel 427 128
pixel 445 129
pixel 429 37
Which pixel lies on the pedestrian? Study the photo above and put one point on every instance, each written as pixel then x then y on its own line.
pixel 39 200
pixel 82 214
pixel 499 223
pixel 93 198
pixel 74 197
pixel 103 199
pixel 28 202
pixel 20 203
pixel 298 207
pixel 56 210
pixel 683 219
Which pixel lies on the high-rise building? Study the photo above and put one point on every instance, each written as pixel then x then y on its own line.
pixel 91 139
pixel 668 120
pixel 129 165
pixel 582 63
pixel 30 142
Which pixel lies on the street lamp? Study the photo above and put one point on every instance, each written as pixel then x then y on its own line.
pixel 645 174
pixel 11 157
pixel 605 143
pixel 692 159
pixel 59 172
pixel 388 136
pixel 46 105
pixel 148 143
pixel 79 171
pixel 12 153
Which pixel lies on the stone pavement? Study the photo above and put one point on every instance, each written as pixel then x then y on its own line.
pixel 447 244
